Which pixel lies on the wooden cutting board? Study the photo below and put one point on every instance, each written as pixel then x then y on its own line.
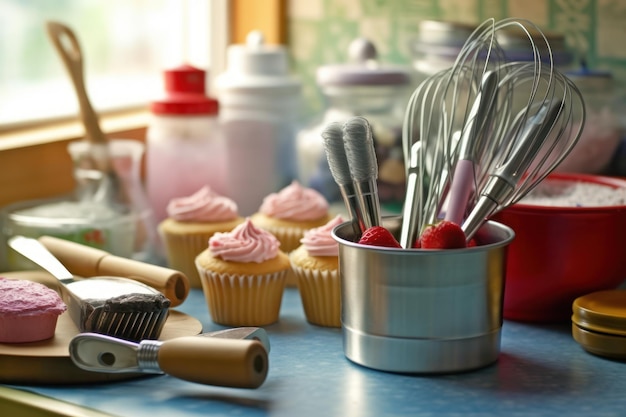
pixel 48 361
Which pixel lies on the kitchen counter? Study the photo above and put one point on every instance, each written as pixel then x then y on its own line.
pixel 541 371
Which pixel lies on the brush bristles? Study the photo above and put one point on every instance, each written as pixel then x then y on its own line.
pixel 336 153
pixel 359 146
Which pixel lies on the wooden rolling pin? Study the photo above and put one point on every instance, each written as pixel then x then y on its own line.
pixel 85 261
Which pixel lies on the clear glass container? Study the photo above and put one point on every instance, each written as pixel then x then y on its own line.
pixel 601 134
pixel 125 228
pixel 374 91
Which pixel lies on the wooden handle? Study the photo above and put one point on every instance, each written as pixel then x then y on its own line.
pixel 88 262
pixel 214 361
pixel 67 45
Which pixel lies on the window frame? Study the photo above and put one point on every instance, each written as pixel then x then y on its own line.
pixel 34 159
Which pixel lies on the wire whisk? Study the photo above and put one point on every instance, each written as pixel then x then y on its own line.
pixel 480 135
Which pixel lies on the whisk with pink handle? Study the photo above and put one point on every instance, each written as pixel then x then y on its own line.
pixel 516 124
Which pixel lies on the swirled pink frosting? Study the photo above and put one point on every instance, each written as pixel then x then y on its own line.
pixel 319 241
pixel 28 297
pixel 204 205
pixel 245 243
pixel 295 202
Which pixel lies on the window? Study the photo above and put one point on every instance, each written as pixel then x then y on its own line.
pixel 126 44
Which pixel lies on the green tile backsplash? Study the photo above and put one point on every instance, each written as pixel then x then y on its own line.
pixel 321 30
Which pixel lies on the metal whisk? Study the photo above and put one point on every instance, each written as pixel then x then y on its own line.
pixel 480 135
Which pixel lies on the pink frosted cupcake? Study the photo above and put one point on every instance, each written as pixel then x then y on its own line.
pixel 243 276
pixel 315 264
pixel 191 223
pixel 290 212
pixel 28 311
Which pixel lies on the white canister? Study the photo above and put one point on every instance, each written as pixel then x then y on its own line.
pixel 260 110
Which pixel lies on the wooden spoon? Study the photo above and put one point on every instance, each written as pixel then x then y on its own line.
pixel 66 44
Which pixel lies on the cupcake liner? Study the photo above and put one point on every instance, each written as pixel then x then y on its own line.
pixel 181 252
pixel 243 300
pixel 289 237
pixel 320 292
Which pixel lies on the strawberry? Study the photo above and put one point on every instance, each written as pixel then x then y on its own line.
pixel 379 236
pixel 442 235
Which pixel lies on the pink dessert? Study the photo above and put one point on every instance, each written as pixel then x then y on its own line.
pixel 28 311
pixel 296 203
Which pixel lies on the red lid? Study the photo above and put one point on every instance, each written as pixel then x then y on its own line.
pixel 185 93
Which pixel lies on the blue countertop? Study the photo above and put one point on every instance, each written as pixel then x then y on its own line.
pixel 541 371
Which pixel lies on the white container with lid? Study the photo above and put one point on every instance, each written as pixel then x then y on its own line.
pixel 362 87
pixel 260 111
pixel 184 144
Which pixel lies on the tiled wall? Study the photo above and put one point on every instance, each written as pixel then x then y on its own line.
pixel 321 30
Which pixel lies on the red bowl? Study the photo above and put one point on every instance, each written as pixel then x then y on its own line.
pixel 561 253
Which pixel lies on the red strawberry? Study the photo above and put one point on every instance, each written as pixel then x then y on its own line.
pixel 379 236
pixel 442 235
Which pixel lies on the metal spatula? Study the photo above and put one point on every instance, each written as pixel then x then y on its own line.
pixel 114 306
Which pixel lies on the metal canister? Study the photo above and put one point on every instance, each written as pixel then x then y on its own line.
pixel 422 311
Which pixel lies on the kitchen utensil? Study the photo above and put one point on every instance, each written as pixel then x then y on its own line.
pixel 361 156
pixel 474 137
pixel 542 135
pixel 233 358
pixel 108 184
pixel 455 114
pixel 531 126
pixel 86 261
pixel 502 183
pixel 422 311
pixel 110 305
pixel 340 170
pixel 48 362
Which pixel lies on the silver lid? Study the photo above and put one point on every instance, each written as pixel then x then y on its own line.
pixel 363 69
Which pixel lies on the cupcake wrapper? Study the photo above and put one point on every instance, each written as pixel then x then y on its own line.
pixel 181 254
pixel 321 296
pixel 240 300
pixel 289 237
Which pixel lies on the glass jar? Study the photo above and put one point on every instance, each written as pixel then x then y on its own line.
pixel 601 134
pixel 379 93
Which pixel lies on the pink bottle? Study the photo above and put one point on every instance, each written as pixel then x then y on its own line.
pixel 185 148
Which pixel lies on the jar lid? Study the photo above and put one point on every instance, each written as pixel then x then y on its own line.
pixel 607 345
pixel 184 93
pixel 441 38
pixel 256 65
pixel 364 69
pixel 515 43
pixel 601 311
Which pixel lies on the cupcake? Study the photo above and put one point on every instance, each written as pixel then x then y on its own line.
pixel 243 276
pixel 315 264
pixel 191 222
pixel 290 212
pixel 28 311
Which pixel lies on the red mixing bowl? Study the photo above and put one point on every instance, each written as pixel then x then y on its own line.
pixel 561 253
